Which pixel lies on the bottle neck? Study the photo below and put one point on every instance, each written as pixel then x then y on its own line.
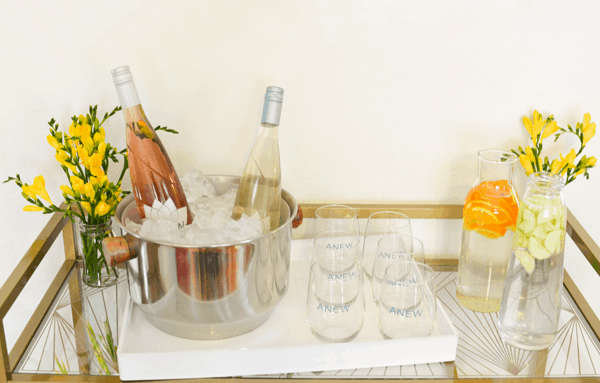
pixel 272 106
pixel 545 183
pixel 128 95
pixel 496 165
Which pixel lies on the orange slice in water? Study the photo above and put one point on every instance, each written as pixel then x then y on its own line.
pixel 491 209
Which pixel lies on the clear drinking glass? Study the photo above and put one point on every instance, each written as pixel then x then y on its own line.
pixel 378 225
pixel 335 245
pixel 407 305
pixel 335 307
pixel 392 248
pixel 337 218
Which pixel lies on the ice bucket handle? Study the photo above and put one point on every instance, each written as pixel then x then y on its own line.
pixel 298 218
pixel 120 249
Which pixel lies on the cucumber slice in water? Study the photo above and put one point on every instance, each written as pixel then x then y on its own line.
pixel 526 260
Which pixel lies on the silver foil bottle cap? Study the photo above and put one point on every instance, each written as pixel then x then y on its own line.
pixel 272 108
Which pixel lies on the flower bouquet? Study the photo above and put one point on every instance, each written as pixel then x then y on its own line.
pixel 90 197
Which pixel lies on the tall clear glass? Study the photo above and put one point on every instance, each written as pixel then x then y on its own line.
pixel 489 220
pixel 530 305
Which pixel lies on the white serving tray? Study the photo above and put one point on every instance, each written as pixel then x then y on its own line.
pixel 283 344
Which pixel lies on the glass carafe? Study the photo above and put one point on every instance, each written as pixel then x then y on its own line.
pixel 530 305
pixel 489 220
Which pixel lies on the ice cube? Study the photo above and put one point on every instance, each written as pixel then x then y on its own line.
pixel 219 220
pixel 150 229
pixel 132 226
pixel 196 185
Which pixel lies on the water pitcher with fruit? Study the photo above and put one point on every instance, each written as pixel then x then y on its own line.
pixel 489 221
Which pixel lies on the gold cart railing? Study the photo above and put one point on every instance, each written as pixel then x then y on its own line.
pixel 58 223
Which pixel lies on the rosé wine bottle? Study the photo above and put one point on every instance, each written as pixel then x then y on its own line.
pixel 156 187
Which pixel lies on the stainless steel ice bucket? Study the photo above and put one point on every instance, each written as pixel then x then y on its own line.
pixel 210 292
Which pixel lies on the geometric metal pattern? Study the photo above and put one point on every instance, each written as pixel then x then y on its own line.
pixel 480 354
pixel 62 337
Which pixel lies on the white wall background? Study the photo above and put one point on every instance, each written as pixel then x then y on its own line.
pixel 385 101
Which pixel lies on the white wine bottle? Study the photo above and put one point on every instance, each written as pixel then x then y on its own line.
pixel 259 193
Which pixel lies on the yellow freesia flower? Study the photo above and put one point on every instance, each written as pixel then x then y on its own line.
pixel 87 207
pixel 555 166
pixel 98 138
pixel 526 163
pixel 53 142
pixel 538 124
pixel 83 155
pixel 32 208
pixel 570 158
pixel 528 125
pixel 39 188
pixel 27 190
pixel 77 184
pixel 97 171
pixel 88 190
pixel 102 208
pixel 550 129
pixel 67 190
pixel 591 161
pixel 95 160
pixel 61 156
pixel 88 144
pixel 102 148
pixel 589 129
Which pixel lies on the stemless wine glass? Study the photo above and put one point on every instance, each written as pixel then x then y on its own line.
pixel 335 246
pixel 378 225
pixel 335 307
pixel 392 248
pixel 407 303
pixel 340 218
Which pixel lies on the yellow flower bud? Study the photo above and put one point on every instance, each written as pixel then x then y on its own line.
pixel 67 190
pixel 53 141
pixel 102 148
pixel 550 129
pixel 589 132
pixel 98 138
pixel 87 207
pixel 98 172
pixel 77 184
pixel 555 166
pixel 528 125
pixel 88 144
pixel 39 188
pixel 526 164
pixel 88 190
pixel 570 158
pixel 28 191
pixel 102 208
pixel 32 208
pixel 95 160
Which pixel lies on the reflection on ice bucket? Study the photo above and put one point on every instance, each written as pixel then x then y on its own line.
pixel 210 292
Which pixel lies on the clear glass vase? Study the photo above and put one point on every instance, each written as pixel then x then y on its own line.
pixel 489 220
pixel 96 271
pixel 531 300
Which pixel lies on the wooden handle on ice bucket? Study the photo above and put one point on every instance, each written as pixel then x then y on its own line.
pixel 298 218
pixel 120 249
